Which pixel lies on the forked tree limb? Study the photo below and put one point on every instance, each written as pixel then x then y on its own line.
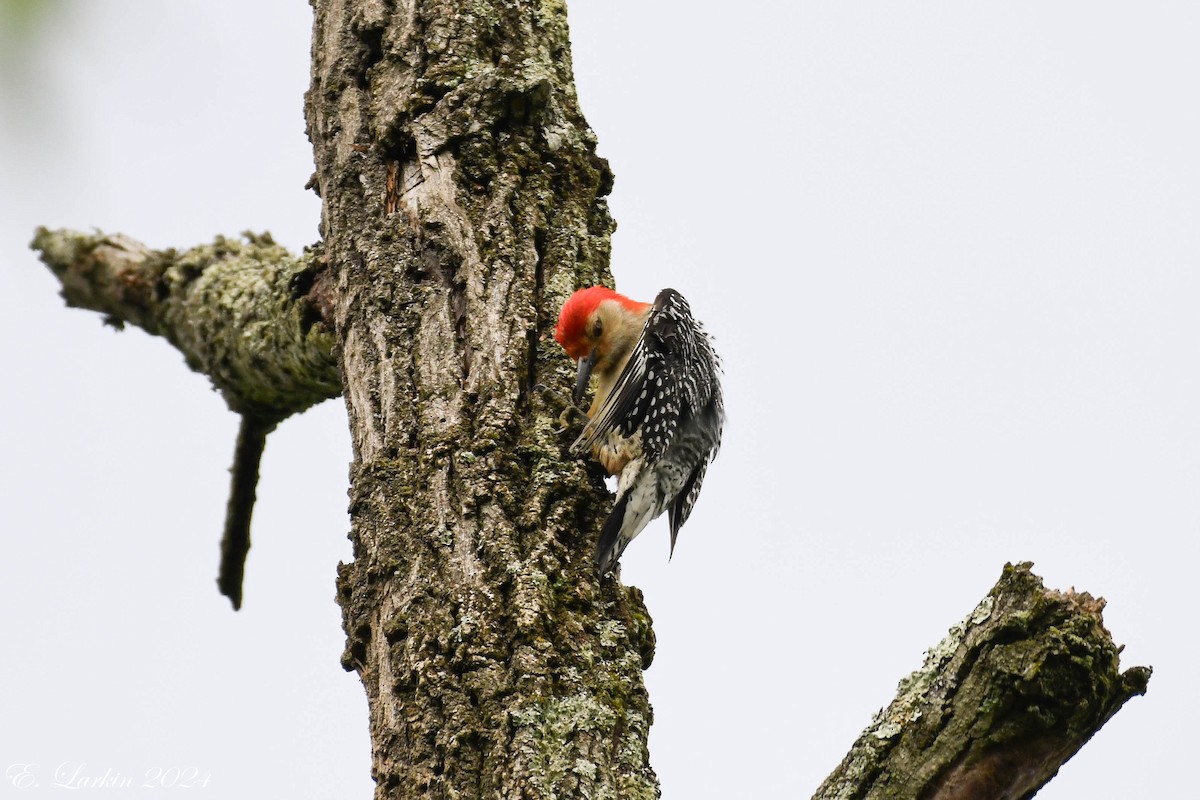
pixel 243 312
pixel 1011 693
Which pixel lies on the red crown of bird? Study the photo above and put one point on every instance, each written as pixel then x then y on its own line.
pixel 575 312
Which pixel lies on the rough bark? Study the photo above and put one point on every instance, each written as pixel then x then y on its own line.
pixel 463 201
pixel 242 312
pixel 245 313
pixel 1000 704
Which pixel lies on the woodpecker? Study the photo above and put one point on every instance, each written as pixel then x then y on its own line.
pixel 656 417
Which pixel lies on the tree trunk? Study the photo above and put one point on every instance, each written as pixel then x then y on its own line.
pixel 463 202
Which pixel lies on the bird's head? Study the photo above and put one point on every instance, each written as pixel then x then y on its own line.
pixel 598 327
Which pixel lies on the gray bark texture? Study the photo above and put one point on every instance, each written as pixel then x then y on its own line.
pixel 1000 704
pixel 241 311
pixel 463 202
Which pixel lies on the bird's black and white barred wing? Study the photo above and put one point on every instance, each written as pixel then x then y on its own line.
pixel 660 382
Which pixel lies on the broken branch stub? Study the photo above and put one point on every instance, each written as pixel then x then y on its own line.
pixel 1011 693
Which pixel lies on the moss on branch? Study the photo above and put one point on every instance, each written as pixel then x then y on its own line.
pixel 242 311
pixel 1011 693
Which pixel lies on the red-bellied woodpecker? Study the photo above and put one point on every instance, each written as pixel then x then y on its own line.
pixel 656 418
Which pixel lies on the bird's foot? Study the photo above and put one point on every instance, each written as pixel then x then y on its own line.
pixel 568 410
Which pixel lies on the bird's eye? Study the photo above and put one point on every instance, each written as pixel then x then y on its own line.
pixel 597 329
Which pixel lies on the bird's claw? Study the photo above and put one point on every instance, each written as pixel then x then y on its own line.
pixel 569 408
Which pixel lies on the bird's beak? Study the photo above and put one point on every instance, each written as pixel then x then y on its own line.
pixel 585 373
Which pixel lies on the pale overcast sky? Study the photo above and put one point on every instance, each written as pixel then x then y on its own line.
pixel 950 256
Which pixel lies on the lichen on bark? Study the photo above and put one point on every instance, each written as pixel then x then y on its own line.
pixel 238 310
pixel 463 202
pixel 244 312
pixel 1009 695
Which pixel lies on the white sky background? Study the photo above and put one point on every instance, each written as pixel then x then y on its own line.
pixel 949 254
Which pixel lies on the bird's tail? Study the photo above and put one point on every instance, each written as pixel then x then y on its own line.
pixel 609 547
pixel 632 513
